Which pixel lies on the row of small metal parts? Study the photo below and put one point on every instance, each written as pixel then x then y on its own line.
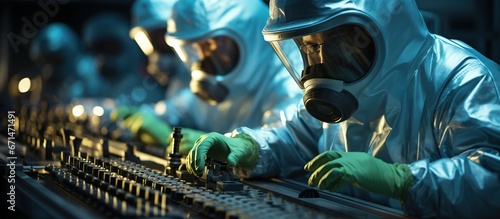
pixel 126 188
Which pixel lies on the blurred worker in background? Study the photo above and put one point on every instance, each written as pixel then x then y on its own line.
pixel 389 111
pixel 149 21
pixel 120 71
pixel 149 26
pixel 236 79
pixel 58 54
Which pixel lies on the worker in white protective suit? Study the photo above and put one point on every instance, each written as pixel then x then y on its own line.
pixel 149 26
pixel 57 52
pixel 390 112
pixel 236 78
pixel 120 73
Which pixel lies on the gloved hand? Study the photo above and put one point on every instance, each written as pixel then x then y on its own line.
pixel 146 127
pixel 122 112
pixel 189 137
pixel 240 150
pixel 333 170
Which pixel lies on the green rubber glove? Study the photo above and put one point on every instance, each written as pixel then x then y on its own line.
pixel 146 127
pixel 333 170
pixel 122 112
pixel 240 150
pixel 189 137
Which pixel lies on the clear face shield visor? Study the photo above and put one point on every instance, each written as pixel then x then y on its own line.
pixel 345 53
pixel 151 41
pixel 209 61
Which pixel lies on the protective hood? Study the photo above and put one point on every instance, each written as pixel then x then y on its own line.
pixel 106 36
pixel 151 14
pixel 56 46
pixel 260 88
pixel 393 26
pixel 149 23
pixel 240 20
pixel 432 104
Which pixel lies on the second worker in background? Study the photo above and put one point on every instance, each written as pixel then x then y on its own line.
pixel 236 78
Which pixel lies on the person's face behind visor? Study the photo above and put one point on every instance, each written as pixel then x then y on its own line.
pixel 345 56
pixel 334 63
pixel 209 61
pixel 346 53
pixel 215 56
pixel 162 60
pixel 157 38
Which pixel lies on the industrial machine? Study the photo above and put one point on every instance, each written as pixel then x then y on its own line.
pixel 55 165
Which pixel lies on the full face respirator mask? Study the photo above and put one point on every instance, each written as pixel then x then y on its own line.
pixel 338 59
pixel 210 61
